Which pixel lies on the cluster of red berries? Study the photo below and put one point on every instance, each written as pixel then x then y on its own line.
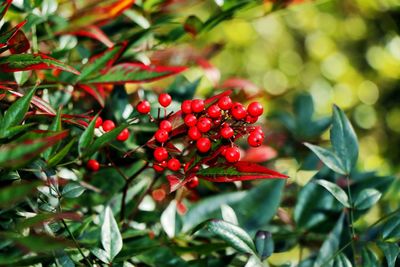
pixel 106 126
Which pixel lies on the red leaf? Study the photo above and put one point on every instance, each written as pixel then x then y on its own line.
pixel 93 91
pixel 38 102
pixel 260 154
pixel 95 33
pixel 19 43
pixel 5 37
pixel 4 7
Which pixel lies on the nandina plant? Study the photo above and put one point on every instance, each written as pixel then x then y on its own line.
pixel 109 157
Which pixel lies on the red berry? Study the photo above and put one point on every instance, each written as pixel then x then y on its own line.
pixel 165 125
pixel 232 154
pixel 214 112
pixel 123 135
pixel 158 168
pixel 225 103
pixel 259 130
pixel 108 125
pixel 161 135
pixel 251 119
pixel 204 125
pixel 238 111
pixel 255 109
pixel 99 122
pixel 164 99
pixel 203 144
pixel 193 183
pixel 186 106
pixel 143 107
pixel 197 105
pixel 160 154
pixel 93 165
pixel 217 122
pixel 190 120
pixel 158 195
pixel 174 164
pixel 194 133
pixel 181 208
pixel 255 139
pixel 226 132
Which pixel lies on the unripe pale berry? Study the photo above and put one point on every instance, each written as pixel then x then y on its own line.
pixel 164 99
pixel 93 165
pixel 161 135
pixel 190 120
pixel 232 154
pixel 203 144
pixel 108 125
pixel 143 107
pixel 123 135
pixel 160 154
pixel 255 109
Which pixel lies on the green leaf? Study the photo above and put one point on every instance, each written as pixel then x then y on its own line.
pixel 344 140
pixel 336 191
pixel 330 245
pixel 232 234
pixel 39 243
pixel 369 259
pixel 16 192
pixel 87 136
pixel 366 198
pixel 264 244
pixel 342 261
pixel 111 238
pixel 104 139
pixel 72 190
pixel 54 126
pixel 56 158
pixel 21 62
pixel 100 254
pixel 16 113
pixel 391 251
pixel 391 229
pixel 328 158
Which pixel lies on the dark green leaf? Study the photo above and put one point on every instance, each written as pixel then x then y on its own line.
pixel 87 136
pixel 264 244
pixel 72 190
pixel 56 158
pixel 391 251
pixel 391 229
pixel 111 238
pixel 336 191
pixel 54 126
pixel 366 198
pixel 12 194
pixel 344 140
pixel 342 261
pixel 39 243
pixel 369 259
pixel 329 158
pixel 104 139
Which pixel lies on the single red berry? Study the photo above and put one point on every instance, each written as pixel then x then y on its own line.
pixel 93 165
pixel 186 106
pixel 255 139
pixel 190 120
pixel 108 125
pixel 217 122
pixel 164 99
pixel 165 125
pixel 158 195
pixel 160 154
pixel 223 150
pixel 123 135
pixel 255 109
pixel 259 130
pixel 203 144
pixel 158 168
pixel 181 208
pixel 204 125
pixel 99 122
pixel 161 135
pixel 174 164
pixel 214 112
pixel 194 133
pixel 238 111
pixel 197 105
pixel 193 183
pixel 143 107
pixel 232 154
pixel 226 132
pixel 250 119
pixel 225 103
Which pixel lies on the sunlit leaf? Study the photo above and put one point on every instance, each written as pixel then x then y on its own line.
pixel 336 191
pixel 110 236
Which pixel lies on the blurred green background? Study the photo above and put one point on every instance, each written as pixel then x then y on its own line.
pixel 342 52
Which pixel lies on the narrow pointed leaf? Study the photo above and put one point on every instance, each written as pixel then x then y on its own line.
pixel 264 244
pixel 391 251
pixel 329 158
pixel 94 92
pixel 16 192
pixel 56 158
pixel 10 33
pixel 86 137
pixel 41 104
pixel 134 73
pixel 104 139
pixel 18 43
pixel 21 62
pixel 111 238
pixel 4 7
pixel 232 234
pixel 54 126
pixel 239 171
pixel 95 33
pixel 336 191
pixel 344 140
